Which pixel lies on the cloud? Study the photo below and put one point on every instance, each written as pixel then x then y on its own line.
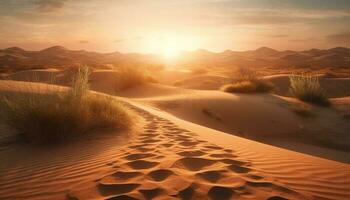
pixel 340 38
pixel 262 17
pixel 49 5
pixel 303 5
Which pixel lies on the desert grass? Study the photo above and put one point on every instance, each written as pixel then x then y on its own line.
pixel 307 88
pixel 247 81
pixel 53 117
pixel 129 77
pixel 258 86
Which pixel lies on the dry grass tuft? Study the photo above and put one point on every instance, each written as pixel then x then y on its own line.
pixel 307 88
pixel 129 77
pixel 258 86
pixel 51 117
pixel 247 81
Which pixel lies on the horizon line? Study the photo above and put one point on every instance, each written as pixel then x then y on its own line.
pixel 182 51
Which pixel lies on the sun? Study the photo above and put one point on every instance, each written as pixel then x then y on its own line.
pixel 169 45
pixel 171 53
pixel 171 48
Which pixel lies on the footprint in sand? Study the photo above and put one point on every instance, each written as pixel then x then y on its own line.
pixel 220 193
pixel 138 156
pixel 238 169
pixel 188 144
pixel 213 147
pixel 194 153
pixel 276 198
pixel 119 177
pixel 142 164
pixel 160 174
pixel 115 189
pixel 212 175
pixel 254 176
pixel 186 194
pixel 193 163
pixel 151 193
pixel 126 175
pixel 122 197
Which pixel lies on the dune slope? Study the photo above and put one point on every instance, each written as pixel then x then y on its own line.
pixel 264 117
pixel 169 158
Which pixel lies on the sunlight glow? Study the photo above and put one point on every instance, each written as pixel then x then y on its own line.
pixel 170 50
pixel 169 46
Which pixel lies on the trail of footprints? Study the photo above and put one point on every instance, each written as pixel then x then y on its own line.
pixel 167 162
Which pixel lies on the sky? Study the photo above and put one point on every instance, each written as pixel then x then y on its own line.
pixel 158 26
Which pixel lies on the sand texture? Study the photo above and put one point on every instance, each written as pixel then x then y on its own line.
pixel 166 157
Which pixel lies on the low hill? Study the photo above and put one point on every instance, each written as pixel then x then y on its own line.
pixel 15 58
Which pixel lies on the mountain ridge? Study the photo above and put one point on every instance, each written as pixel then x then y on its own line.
pixel 58 56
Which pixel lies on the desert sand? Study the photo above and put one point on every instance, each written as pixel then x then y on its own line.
pixel 174 152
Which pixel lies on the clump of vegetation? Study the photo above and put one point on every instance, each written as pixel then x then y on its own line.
pixel 245 74
pixel 257 86
pixel 307 88
pixel 51 116
pixel 247 81
pixel 129 77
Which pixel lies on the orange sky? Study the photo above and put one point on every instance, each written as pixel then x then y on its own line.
pixel 154 26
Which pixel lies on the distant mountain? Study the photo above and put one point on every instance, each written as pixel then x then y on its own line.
pixel 15 58
pixel 267 57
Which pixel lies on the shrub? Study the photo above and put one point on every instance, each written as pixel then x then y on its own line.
pixel 129 77
pixel 244 74
pixel 307 88
pixel 247 81
pixel 253 86
pixel 51 117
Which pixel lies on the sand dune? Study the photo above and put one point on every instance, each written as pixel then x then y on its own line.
pixel 165 157
pixel 272 116
pixel 105 80
pixel 335 87
pixel 203 82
